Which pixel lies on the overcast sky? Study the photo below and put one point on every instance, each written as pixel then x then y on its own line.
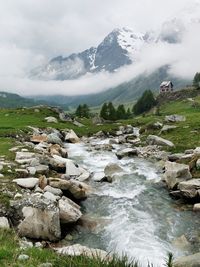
pixel 34 31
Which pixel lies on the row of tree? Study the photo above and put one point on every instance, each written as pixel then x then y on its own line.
pixel 109 112
pixel 82 111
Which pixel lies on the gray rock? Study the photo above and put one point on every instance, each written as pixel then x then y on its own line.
pixel 79 190
pixel 175 118
pixel 72 137
pixel 99 177
pixel 24 244
pixel 188 261
pixel 23 257
pixel 53 138
pixel 111 169
pixel 78 250
pixel 175 157
pixel 4 223
pixel 42 169
pixel 196 207
pixel 156 140
pixel 167 128
pixel 176 173
pixel 69 211
pixel 51 196
pixel 127 152
pixel 24 155
pixel 189 188
pixel 38 218
pixel 71 168
pixel 198 164
pixel 85 175
pixel 51 120
pixel 29 183
pixel 55 191
pixel 158 125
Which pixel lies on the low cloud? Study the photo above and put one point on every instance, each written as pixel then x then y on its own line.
pixel 29 40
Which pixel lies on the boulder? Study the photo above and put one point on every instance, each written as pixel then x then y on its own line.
pixel 71 168
pixel 167 128
pixel 37 217
pixel 4 223
pixel 51 119
pixel 189 189
pixel 196 207
pixel 111 169
pixel 197 151
pixel 43 181
pixel 188 261
pixel 28 183
pixel 156 140
pixel 174 118
pixel 41 169
pixel 38 138
pixel 55 191
pixel 78 189
pixel 58 150
pixel 127 152
pixel 176 173
pixel 85 175
pixel 99 177
pixel 72 137
pixel 56 164
pixel 79 250
pixel 69 211
pixel 53 138
pixel 24 155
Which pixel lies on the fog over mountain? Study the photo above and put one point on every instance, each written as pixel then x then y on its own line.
pixel 74 48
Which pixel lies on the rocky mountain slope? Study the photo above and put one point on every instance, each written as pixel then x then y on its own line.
pixel 119 48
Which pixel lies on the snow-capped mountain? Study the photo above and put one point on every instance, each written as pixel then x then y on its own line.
pixel 119 48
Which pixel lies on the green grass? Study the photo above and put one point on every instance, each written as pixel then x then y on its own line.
pixel 9 252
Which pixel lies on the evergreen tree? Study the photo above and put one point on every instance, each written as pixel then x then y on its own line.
pixel 145 103
pixel 128 113
pixel 121 112
pixel 104 112
pixel 85 111
pixel 196 80
pixel 111 112
pixel 78 111
pixel 82 111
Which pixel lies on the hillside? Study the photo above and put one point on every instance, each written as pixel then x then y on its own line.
pixel 126 92
pixel 9 100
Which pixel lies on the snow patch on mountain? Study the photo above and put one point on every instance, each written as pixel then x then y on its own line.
pixel 130 41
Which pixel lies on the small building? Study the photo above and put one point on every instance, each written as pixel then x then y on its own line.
pixel 166 86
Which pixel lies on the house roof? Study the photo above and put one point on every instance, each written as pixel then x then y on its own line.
pixel 165 83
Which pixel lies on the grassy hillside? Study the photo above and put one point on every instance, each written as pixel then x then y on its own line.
pixel 9 100
pixel 186 135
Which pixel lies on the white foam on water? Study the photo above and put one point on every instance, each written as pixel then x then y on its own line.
pixel 133 229
pixel 134 233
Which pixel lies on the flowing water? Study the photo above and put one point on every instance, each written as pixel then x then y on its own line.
pixel 135 213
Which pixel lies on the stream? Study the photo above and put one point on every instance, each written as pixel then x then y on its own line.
pixel 135 214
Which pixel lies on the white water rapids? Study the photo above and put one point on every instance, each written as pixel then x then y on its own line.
pixel 136 215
